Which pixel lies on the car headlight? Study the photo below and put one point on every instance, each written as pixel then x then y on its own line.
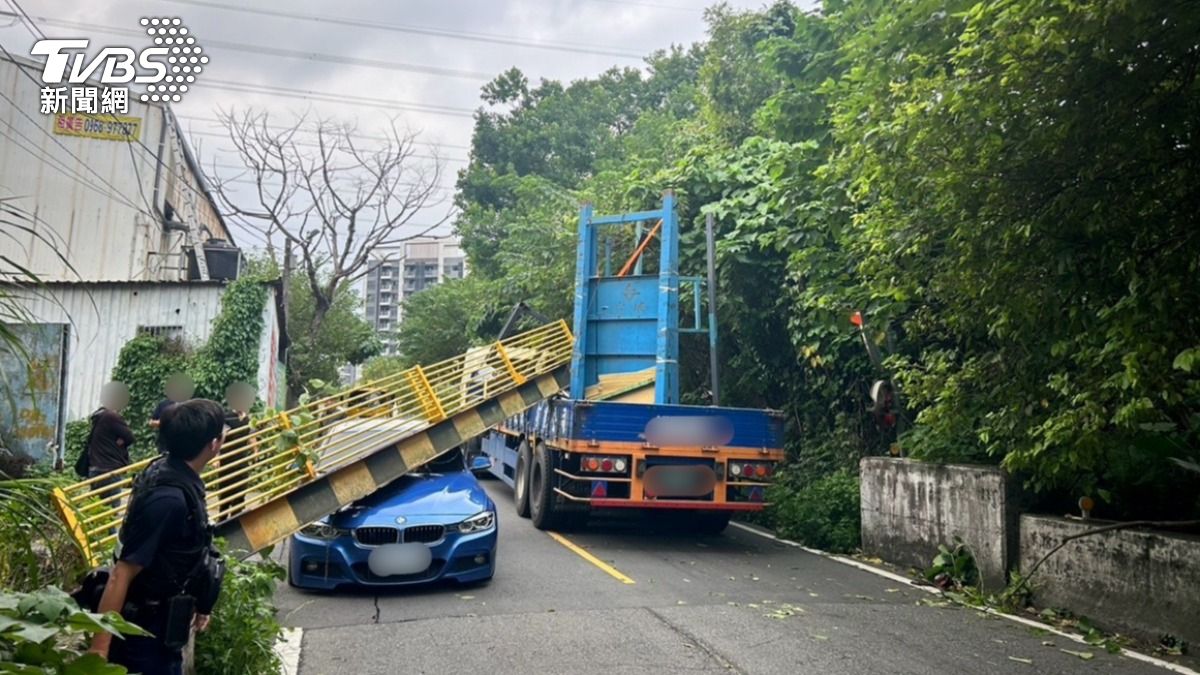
pixel 478 523
pixel 323 531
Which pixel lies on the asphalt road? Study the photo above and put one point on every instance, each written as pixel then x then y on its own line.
pixel 736 603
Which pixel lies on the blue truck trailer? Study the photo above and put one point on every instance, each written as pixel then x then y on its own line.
pixel 619 438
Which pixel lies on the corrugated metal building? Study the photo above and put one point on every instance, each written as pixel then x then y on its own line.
pixel 110 206
pixel 119 205
pixel 95 320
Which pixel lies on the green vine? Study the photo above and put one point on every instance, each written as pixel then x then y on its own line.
pixel 230 355
pixel 144 364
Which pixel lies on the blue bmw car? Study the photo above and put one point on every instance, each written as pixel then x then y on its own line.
pixel 435 523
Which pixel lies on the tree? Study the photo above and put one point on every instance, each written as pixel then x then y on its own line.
pixel 445 320
pixel 1026 180
pixel 342 338
pixel 379 367
pixel 333 202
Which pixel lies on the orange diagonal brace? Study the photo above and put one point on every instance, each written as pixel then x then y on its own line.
pixel 640 249
pixel 508 364
pixel 66 511
pixel 434 411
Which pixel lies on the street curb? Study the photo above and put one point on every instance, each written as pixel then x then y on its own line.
pixel 892 576
pixel 288 649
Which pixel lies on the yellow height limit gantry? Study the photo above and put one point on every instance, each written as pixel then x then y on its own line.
pixel 286 451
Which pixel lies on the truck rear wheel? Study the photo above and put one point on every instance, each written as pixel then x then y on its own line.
pixel 521 480
pixel 544 507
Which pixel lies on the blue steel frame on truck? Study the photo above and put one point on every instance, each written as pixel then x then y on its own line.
pixel 621 449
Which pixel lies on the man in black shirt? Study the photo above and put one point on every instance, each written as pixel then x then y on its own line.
pixel 110 437
pixel 164 541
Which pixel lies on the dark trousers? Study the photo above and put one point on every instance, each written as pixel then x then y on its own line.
pixel 146 655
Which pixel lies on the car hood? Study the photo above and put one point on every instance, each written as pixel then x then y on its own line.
pixel 418 499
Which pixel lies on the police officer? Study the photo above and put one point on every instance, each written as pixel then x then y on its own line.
pixel 160 580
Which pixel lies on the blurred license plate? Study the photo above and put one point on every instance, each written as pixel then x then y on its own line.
pixel 679 481
pixel 394 559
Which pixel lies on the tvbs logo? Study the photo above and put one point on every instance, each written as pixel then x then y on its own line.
pixel 166 69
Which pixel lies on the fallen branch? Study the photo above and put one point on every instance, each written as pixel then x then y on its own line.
pixel 1159 524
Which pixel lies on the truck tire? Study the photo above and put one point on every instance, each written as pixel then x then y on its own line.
pixel 521 479
pixel 544 508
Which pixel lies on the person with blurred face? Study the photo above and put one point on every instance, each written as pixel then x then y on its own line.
pixel 179 387
pixel 110 437
pixel 239 397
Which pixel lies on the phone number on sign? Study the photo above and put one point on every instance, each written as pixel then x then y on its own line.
pixel 119 129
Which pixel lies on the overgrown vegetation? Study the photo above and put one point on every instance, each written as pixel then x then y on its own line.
pixel 45 632
pixel 1007 191
pixel 823 513
pixel 38 550
pixel 243 632
pixel 145 362
pixel 320 348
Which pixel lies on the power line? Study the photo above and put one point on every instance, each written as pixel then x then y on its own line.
pixel 280 127
pixel 290 54
pixel 129 137
pixel 51 136
pixel 655 5
pixel 317 145
pixel 24 17
pixel 421 30
pixel 233 167
pixel 60 166
pixel 330 97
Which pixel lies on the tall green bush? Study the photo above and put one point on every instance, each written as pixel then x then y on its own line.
pixel 243 631
pixel 229 355
pixel 822 513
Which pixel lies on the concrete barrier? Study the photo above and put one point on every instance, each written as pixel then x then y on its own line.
pixel 908 508
pixel 1143 583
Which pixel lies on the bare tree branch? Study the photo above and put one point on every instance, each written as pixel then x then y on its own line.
pixel 333 206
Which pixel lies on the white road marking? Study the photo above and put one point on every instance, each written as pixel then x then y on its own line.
pixel 288 650
pixel 892 576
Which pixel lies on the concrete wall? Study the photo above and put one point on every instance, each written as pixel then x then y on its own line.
pixel 908 508
pixel 1138 582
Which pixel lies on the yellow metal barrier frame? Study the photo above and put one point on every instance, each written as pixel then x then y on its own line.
pixel 338 429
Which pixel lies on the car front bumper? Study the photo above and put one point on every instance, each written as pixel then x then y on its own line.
pixel 328 565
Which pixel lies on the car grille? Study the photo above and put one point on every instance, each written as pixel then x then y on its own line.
pixel 376 536
pixel 424 533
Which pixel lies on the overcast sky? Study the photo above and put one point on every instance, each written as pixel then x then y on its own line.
pixel 506 33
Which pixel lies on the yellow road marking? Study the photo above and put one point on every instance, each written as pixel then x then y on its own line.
pixel 608 569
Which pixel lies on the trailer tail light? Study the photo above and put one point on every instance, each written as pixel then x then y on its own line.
pixel 603 464
pixel 758 471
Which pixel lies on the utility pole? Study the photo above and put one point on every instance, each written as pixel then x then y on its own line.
pixel 284 296
pixel 711 243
